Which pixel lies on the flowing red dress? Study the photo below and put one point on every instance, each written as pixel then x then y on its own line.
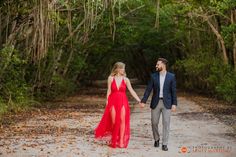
pixel 105 128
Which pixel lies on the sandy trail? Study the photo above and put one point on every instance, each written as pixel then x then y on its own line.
pixel 67 131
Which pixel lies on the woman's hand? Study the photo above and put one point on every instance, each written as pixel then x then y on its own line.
pixel 142 105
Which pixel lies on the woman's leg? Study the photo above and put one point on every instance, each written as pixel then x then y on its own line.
pixel 122 127
pixel 113 120
pixel 113 115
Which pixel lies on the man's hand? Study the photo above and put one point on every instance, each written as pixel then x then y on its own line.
pixel 142 105
pixel 173 108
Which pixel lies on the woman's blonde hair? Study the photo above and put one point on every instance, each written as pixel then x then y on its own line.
pixel 117 65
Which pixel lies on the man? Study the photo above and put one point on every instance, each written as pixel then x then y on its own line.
pixel 163 101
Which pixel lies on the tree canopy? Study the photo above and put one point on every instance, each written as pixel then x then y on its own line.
pixel 51 48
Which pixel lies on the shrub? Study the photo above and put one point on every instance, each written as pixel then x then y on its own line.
pixel 208 75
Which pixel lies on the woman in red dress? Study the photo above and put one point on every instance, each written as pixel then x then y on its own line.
pixel 115 122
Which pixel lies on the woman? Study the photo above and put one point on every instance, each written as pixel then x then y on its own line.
pixel 115 122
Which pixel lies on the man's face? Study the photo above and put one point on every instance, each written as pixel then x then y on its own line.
pixel 159 66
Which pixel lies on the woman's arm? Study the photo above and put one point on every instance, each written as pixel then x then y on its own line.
pixel 131 90
pixel 109 80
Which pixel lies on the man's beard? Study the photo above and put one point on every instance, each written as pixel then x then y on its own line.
pixel 159 69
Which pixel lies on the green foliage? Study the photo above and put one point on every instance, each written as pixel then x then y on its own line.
pixel 3 107
pixel 224 5
pixel 227 32
pixel 209 75
pixel 60 87
pixel 14 91
pixel 225 80
pixel 89 51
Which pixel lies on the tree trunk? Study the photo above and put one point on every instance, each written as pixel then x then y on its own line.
pixel 68 62
pixel 157 21
pixel 233 19
pixel 0 28
pixel 113 21
pixel 234 51
pixel 56 64
pixel 7 61
pixel 220 38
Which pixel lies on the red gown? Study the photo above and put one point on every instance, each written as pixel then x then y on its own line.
pixel 105 128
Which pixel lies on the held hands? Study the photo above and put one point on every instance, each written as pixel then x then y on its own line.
pixel 142 105
pixel 173 108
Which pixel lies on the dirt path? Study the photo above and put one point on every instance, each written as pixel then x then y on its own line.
pixel 65 129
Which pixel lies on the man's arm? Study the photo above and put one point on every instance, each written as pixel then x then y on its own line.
pixel 147 91
pixel 173 94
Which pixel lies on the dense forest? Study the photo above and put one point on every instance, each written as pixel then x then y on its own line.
pixel 51 48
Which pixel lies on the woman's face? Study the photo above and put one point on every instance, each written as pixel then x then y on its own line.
pixel 121 71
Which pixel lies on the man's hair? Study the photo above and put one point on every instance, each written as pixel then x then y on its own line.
pixel 163 60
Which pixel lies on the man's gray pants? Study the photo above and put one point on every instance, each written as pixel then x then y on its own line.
pixel 155 116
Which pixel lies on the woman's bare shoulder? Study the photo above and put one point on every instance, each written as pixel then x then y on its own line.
pixel 126 79
pixel 110 78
